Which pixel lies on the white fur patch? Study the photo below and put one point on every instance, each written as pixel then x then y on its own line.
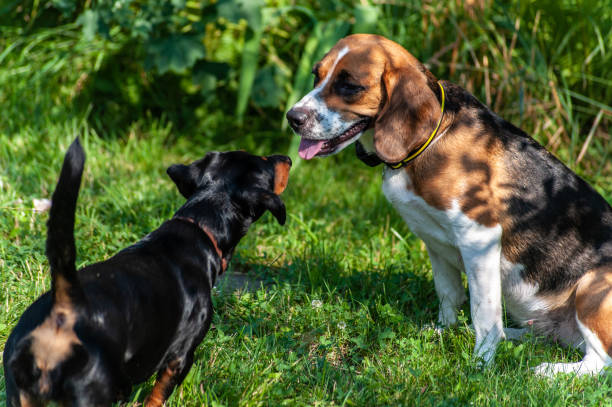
pixel 326 124
pixel 433 226
pixel 457 243
pixel 519 295
pixel 480 248
pixel 530 308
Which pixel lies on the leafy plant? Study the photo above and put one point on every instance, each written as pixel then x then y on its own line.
pixel 216 68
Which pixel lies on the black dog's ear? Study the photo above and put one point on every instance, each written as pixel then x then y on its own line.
pixel 263 199
pixel 184 179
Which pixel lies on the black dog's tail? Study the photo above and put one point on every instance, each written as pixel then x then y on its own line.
pixel 61 251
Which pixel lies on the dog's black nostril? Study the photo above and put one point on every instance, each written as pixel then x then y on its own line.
pixel 297 117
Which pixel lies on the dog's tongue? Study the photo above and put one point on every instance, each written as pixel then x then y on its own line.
pixel 310 148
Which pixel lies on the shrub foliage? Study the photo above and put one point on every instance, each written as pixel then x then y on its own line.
pixel 218 66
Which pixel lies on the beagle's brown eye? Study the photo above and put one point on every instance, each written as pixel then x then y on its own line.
pixel 347 89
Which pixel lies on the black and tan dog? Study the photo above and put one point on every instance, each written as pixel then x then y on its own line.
pixel 485 197
pixel 113 324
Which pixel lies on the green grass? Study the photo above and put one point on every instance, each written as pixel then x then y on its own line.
pixel 343 246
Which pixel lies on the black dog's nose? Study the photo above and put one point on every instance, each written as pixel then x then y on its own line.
pixel 297 117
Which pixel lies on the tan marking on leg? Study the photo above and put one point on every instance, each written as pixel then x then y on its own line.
pixel 281 177
pixel 594 304
pixel 160 391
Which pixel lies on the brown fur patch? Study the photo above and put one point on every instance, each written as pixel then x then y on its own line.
pixel 409 114
pixel 52 342
pixel 281 177
pixel 594 304
pixel 360 66
pixel 559 299
pixel 463 165
pixel 162 388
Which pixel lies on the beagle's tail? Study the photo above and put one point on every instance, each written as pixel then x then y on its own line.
pixel 61 251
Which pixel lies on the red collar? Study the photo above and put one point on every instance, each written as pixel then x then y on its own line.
pixel 210 236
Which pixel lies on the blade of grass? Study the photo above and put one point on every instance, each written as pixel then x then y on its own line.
pixel 590 136
pixel 248 68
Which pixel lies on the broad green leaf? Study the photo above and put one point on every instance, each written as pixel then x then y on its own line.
pixel 206 74
pixel 248 69
pixel 250 10
pixel 174 53
pixel 142 28
pixel 268 90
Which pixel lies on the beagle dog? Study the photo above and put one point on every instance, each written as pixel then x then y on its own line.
pixel 485 198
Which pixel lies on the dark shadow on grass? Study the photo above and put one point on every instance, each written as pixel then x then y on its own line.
pixel 411 293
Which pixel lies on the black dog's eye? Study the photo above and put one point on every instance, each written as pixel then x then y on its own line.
pixel 347 89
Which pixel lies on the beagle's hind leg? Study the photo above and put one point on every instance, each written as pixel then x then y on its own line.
pixel 594 321
pixel 594 361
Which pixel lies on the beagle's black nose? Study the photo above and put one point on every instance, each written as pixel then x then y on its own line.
pixel 297 117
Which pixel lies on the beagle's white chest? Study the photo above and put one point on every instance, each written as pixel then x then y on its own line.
pixel 454 236
pixel 435 227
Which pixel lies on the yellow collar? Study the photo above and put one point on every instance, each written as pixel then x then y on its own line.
pixel 424 146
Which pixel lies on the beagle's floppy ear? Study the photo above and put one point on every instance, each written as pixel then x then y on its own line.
pixel 409 113
pixel 184 178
